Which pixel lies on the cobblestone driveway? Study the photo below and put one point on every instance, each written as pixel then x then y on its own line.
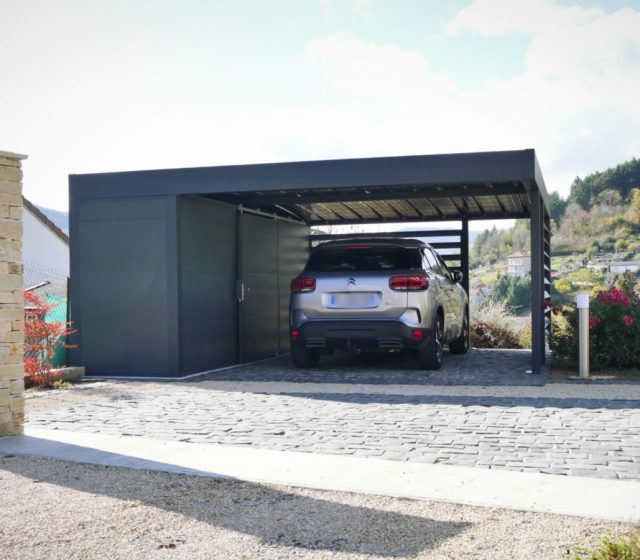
pixel 477 367
pixel 587 437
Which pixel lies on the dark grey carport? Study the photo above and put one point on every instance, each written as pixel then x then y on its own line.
pixel 114 213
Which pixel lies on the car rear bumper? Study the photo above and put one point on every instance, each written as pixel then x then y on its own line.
pixel 360 335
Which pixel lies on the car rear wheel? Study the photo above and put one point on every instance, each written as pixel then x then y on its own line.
pixel 303 357
pixel 461 344
pixel 430 357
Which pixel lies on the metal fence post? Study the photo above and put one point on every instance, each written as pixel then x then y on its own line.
pixel 582 303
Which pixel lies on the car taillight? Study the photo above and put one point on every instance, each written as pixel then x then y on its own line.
pixel 408 283
pixel 303 284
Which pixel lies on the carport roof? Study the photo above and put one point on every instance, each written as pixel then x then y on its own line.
pixel 483 185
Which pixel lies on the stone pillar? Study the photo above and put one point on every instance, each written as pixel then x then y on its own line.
pixel 11 298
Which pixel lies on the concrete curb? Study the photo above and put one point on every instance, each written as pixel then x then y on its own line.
pixel 586 497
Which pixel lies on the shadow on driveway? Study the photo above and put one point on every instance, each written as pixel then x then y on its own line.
pixel 477 367
pixel 470 401
pixel 276 517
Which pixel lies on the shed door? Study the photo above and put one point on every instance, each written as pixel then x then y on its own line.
pixel 258 300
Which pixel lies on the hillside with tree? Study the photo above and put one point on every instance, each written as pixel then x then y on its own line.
pixel 600 218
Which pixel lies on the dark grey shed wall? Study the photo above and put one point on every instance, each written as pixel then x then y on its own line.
pixel 120 288
pixel 271 253
pixel 207 261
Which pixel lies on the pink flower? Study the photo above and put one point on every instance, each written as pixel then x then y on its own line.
pixel 627 320
pixel 594 321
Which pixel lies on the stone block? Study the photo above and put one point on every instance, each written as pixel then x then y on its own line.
pixel 9 162
pixel 8 360
pixel 10 282
pixel 11 229
pixel 12 336
pixel 4 385
pixel 18 420
pixel 5 399
pixel 9 255
pixel 12 297
pixel 72 373
pixel 9 428
pixel 11 187
pixel 10 173
pixel 17 325
pixel 16 403
pixel 11 349
pixel 16 386
pixel 15 212
pixel 6 326
pixel 11 313
pixel 11 199
pixel 12 371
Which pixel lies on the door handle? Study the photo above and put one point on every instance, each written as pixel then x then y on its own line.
pixel 240 291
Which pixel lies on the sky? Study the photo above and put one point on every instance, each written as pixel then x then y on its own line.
pixel 93 86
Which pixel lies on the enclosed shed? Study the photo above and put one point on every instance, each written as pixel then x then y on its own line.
pixel 179 271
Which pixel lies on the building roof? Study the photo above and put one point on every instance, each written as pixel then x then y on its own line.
pixel 517 255
pixel 447 187
pixel 46 221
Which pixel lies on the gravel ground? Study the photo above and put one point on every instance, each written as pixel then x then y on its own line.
pixel 59 510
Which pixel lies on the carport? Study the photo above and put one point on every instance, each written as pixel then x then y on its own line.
pixel 180 271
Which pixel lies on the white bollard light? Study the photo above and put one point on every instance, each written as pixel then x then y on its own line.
pixel 582 303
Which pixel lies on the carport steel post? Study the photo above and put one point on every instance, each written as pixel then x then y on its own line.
pixel 105 207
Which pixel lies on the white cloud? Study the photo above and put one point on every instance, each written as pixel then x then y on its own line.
pixel 380 72
pixel 497 17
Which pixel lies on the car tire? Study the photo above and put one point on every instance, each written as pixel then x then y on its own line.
pixel 461 344
pixel 303 357
pixel 430 357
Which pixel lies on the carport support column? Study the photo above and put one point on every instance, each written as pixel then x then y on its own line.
pixel 11 297
pixel 537 282
pixel 464 261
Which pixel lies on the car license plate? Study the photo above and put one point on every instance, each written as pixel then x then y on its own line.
pixel 360 300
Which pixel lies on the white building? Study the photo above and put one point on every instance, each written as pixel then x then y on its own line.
pixel 45 249
pixel 623 266
pixel 518 264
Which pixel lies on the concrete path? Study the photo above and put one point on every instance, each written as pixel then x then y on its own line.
pixel 601 499
pixel 589 431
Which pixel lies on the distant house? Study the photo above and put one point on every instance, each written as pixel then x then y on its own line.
pixel 518 264
pixel 45 249
pixel 619 267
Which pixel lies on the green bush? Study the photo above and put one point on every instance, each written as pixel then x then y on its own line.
pixel 614 325
pixel 610 549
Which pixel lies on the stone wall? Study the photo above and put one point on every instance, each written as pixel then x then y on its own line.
pixel 11 298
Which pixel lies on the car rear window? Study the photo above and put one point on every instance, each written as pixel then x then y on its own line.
pixel 363 258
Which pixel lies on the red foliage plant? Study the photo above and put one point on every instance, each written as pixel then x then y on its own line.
pixel 42 340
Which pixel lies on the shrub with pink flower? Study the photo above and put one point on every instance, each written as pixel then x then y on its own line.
pixel 627 320
pixel 614 327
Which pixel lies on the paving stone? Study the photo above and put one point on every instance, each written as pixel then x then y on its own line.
pixel 578 437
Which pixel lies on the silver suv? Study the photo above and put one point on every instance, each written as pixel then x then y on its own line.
pixel 377 294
